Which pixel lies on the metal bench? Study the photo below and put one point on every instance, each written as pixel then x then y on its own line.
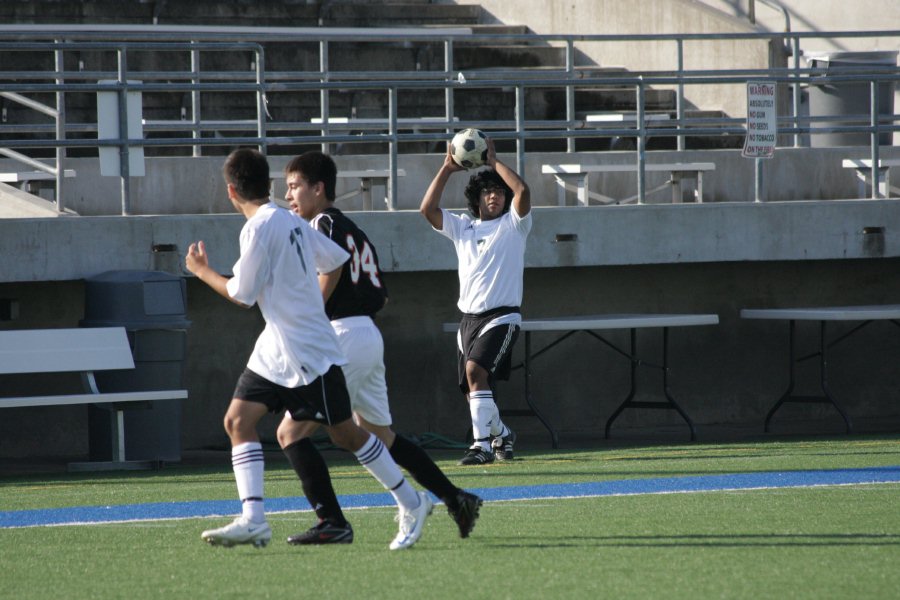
pixel 85 351
pixel 863 168
pixel 368 178
pixel 24 178
pixel 568 174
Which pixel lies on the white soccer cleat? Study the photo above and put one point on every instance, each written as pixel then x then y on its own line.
pixel 239 531
pixel 412 522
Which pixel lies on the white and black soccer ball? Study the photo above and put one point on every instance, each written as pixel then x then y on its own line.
pixel 469 148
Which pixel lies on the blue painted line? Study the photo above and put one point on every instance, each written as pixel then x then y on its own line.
pixel 625 487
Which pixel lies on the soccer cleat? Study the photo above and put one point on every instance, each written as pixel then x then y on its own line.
pixel 477 456
pixel 239 531
pixel 324 532
pixel 503 446
pixel 465 512
pixel 412 522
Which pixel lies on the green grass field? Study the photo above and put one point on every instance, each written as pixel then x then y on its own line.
pixel 818 542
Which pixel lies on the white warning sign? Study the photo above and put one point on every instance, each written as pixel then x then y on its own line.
pixel 762 123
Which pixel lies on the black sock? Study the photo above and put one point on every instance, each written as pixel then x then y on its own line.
pixel 415 460
pixel 315 479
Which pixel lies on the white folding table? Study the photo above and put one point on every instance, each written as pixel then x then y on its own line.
pixel 866 314
pixel 590 324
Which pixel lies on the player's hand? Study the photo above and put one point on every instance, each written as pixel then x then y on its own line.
pixel 450 164
pixel 491 159
pixel 196 259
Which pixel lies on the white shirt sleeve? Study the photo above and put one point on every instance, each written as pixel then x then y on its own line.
pixel 453 225
pixel 251 270
pixel 522 224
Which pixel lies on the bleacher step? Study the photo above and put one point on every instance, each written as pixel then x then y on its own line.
pixel 398 14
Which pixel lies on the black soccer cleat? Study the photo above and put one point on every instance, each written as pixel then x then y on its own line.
pixel 503 446
pixel 476 456
pixel 324 532
pixel 465 512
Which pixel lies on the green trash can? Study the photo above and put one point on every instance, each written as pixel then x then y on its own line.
pixel 152 307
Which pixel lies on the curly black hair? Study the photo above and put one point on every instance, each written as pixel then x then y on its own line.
pixel 485 180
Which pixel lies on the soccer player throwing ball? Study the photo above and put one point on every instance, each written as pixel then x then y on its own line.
pixel 491 251
pixel 359 294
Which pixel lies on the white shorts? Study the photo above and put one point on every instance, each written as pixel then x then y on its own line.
pixel 363 348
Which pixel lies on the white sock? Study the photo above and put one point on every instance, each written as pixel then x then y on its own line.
pixel 377 460
pixel 248 464
pixel 482 409
pixel 498 428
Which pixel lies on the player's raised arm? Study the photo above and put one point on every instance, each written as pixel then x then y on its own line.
pixel 521 192
pixel 431 202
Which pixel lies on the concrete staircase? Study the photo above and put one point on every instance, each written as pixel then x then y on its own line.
pixel 283 57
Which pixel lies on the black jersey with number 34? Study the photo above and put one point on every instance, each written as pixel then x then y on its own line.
pixel 361 289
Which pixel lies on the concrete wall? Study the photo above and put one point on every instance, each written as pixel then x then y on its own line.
pixel 192 186
pixel 709 258
pixel 726 374
pixel 825 15
pixel 648 17
pixel 66 249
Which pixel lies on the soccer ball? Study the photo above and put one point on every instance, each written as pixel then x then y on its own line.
pixel 469 148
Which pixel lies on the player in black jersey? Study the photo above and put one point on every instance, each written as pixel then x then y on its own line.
pixel 350 305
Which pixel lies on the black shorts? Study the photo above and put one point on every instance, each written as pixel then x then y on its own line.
pixel 325 400
pixel 490 349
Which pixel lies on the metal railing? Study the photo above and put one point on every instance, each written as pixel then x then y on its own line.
pixel 195 84
pixel 751 12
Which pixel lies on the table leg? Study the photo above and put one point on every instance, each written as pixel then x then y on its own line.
pixel 669 404
pixel 881 180
pixel 823 345
pixel 584 187
pixel 669 397
pixel 560 190
pixel 365 188
pixel 627 402
pixel 826 397
pixel 861 180
pixel 532 410
pixel 677 190
pixel 790 389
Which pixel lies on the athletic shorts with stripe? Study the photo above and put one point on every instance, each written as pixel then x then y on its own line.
pixel 487 343
pixel 325 400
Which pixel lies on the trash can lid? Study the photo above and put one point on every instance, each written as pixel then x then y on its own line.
pixel 136 300
pixel 875 57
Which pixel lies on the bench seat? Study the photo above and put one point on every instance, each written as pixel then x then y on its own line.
pixel 567 174
pixel 84 351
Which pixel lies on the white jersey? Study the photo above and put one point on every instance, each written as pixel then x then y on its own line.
pixel 491 259
pixel 280 256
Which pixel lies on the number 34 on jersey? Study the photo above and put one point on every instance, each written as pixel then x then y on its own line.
pixel 362 261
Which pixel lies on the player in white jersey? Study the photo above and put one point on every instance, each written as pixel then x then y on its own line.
pixel 295 364
pixel 491 251
pixel 360 293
